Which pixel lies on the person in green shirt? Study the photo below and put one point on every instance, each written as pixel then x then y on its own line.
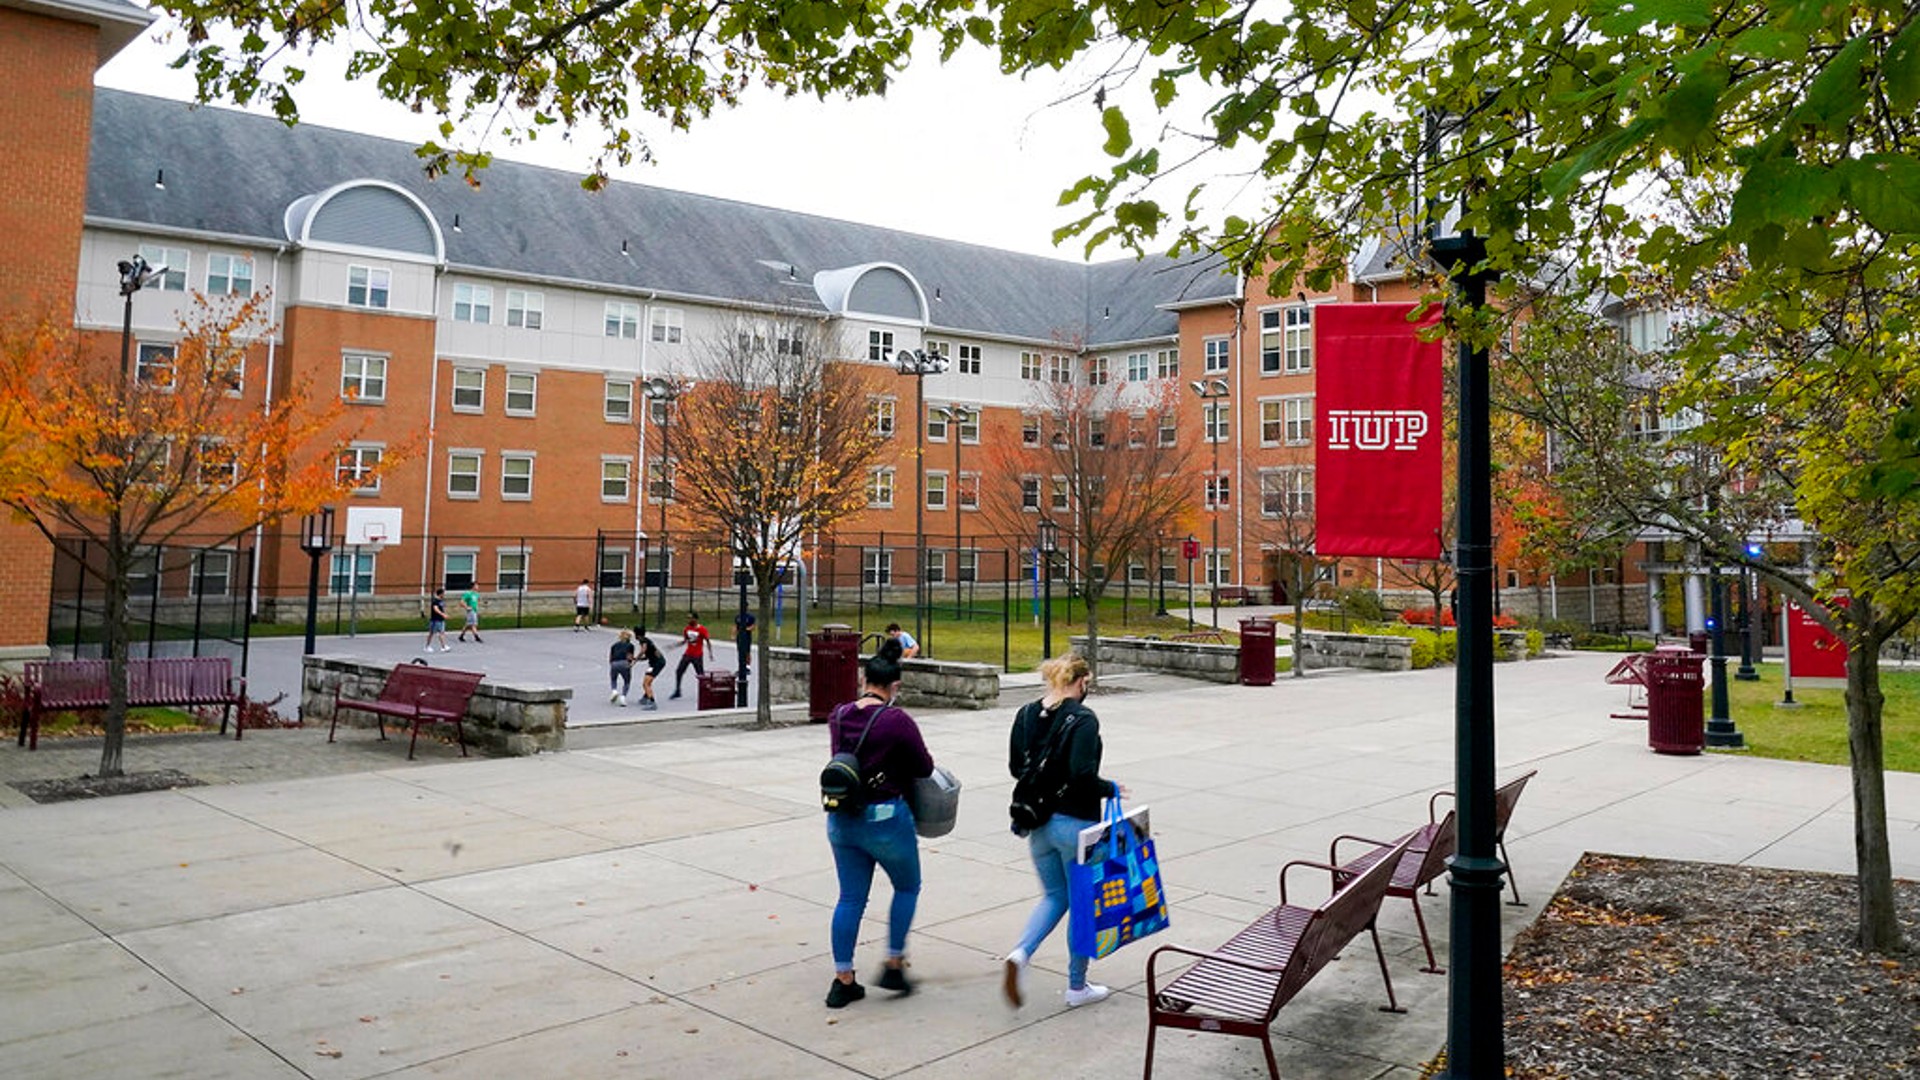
pixel 470 603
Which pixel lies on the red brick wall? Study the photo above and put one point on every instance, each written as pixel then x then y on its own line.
pixel 43 188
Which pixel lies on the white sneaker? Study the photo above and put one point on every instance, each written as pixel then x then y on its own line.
pixel 1086 995
pixel 613 696
pixel 621 700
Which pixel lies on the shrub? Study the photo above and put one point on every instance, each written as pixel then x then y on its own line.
pixel 1536 642
pixel 1423 648
pixel 1362 604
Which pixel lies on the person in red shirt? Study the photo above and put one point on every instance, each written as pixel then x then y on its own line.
pixel 696 641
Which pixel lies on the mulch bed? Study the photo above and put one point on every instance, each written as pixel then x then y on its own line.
pixel 64 789
pixel 1656 968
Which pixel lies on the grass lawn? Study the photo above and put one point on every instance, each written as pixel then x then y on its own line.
pixel 1817 731
pixel 143 721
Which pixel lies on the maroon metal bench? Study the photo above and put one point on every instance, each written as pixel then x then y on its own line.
pixel 1423 856
pixel 1505 798
pixel 172 681
pixel 419 695
pixel 1240 987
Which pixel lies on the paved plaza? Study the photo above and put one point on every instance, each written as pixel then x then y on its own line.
pixel 654 901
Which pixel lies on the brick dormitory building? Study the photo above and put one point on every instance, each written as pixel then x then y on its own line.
pixel 505 331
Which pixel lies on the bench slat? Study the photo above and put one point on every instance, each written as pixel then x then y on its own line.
pixel 167 681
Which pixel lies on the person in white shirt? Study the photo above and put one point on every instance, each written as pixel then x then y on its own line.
pixel 583 607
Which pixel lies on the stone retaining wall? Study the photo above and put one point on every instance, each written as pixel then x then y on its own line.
pixel 509 719
pixel 1194 659
pixel 1316 649
pixel 925 684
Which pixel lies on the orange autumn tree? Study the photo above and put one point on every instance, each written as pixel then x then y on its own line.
pixel 133 461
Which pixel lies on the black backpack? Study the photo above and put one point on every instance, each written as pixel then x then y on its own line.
pixel 1040 787
pixel 842 789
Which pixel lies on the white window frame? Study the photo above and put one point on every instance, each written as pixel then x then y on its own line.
pixel 1167 431
pixel 1031 494
pixel 1099 370
pixel 661 477
pixel 881 487
pixel 510 461
pixel 176 260
pixel 1297 339
pixel 969 565
pixel 238 268
pixel 1029 430
pixel 1030 366
pixel 348 568
pixel 616 469
pixel 464 483
pixel 936 489
pixel 215 451
pixel 1218 565
pixel 1218 491
pixel 616 406
pixel 150 357
pixel 1059 495
pixel 477 376
pixel 667 325
pixel 1167 363
pixel 365 377
pixel 880 346
pixel 1218 353
pixel 966 492
pixel 473 304
pixel 531 392
pixel 197 575
pixel 967 359
pixel 1139 366
pixel 1286 491
pixel 501 571
pixel 936 567
pixel 1296 414
pixel 1216 422
pixel 884 412
pixel 360 452
pixel 526 308
pixel 448 555
pixel 375 286
pixel 876 566
pixel 622 320
pixel 1060 368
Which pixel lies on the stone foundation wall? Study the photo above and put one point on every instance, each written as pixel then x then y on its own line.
pixel 508 719
pixel 1193 659
pixel 1314 650
pixel 925 684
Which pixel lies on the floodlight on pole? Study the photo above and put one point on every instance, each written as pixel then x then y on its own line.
pixel 316 539
pixel 919 363
pixel 665 391
pixel 1048 542
pixel 135 275
pixel 1211 391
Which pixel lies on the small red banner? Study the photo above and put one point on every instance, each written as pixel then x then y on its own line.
pixel 1814 655
pixel 1377 429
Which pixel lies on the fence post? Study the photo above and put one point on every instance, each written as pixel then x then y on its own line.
pixel 599 563
pixel 1006 609
pixel 246 624
pixel 79 597
pixel 520 594
pixel 199 593
pixel 153 607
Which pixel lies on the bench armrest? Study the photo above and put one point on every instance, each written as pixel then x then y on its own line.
pixel 1333 849
pixel 1153 977
pixel 1329 867
pixel 1433 806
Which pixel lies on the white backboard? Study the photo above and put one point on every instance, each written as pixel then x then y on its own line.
pixel 372 526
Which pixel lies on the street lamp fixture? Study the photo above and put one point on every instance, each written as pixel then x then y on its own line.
pixel 135 275
pixel 665 391
pixel 919 363
pixel 1210 391
pixel 1047 542
pixel 316 539
pixel 956 415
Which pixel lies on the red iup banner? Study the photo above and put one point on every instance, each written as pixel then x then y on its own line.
pixel 1815 657
pixel 1377 429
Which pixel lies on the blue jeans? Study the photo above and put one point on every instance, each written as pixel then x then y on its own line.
pixel 1052 848
pixel 883 834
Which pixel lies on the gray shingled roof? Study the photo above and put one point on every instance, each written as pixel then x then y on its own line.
pixel 232 172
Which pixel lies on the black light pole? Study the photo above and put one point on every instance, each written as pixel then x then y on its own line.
pixel 1212 392
pixel 1192 542
pixel 1048 543
pixel 1747 625
pixel 1160 573
pixel 919 364
pixel 666 392
pixel 1721 731
pixel 316 539
pixel 955 415
pixel 1476 1039
pixel 135 275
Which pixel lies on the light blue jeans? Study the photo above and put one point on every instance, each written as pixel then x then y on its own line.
pixel 879 834
pixel 1052 848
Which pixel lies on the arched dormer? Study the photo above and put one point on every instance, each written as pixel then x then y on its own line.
pixel 877 288
pixel 366 214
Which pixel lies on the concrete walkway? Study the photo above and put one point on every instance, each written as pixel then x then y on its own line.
pixel 660 909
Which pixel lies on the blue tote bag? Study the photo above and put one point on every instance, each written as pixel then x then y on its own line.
pixel 1115 897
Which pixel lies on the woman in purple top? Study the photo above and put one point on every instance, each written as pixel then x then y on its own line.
pixel 892 755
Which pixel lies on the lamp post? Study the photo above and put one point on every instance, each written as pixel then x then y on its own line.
pixel 1190 552
pixel 666 392
pixel 1720 727
pixel 919 364
pixel 316 539
pixel 135 275
pixel 1211 391
pixel 1160 574
pixel 1048 542
pixel 955 415
pixel 1747 624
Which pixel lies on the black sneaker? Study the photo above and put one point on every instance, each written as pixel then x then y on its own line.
pixel 895 979
pixel 840 995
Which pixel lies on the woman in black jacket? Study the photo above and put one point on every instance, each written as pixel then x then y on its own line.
pixel 1059 715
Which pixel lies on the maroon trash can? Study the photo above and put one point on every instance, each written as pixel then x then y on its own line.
pixel 833 670
pixel 1256 651
pixel 716 690
pixel 1676 716
pixel 1698 640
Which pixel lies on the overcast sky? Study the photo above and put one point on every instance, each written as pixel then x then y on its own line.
pixel 958 151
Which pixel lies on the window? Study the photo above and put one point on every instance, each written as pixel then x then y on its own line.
pixel 936 491
pixel 1029 431
pixel 668 325
pixel 970 427
pixel 469 389
pixel 174 259
pixel 1059 493
pixel 527 309
pixel 1216 421
pixel 1299 337
pixel 219 464
pixel 1299 420
pixel 880 487
pixel 352 572
pixel 1030 366
pixel 623 320
pixel 154 366
pixel 750 344
pixel 1060 368
pixel 516 476
pixel 617 404
pixel 1169 429
pixel 1219 491
pixel 473 303
pixel 659 567
pixel 936 567
pixel 1030 494
pixel 463 474
pixel 228 368
pixel 358 465
pixel 1139 367
pixel 368 286
pixel 1269 342
pixel 969 565
pixel 1167 363
pixel 616 476
pixel 1137 572
pixel 969 359
pixel 1097 432
pixel 363 378
pixel 229 275
pixel 510 574
pixel 881 411
pixel 212 574
pixel 1219 566
pixel 880 346
pixel 789 341
pixel 660 479
pixel 967 491
pixel 876 566
pixel 613 569
pixel 1216 352
pixel 521 387
pixel 1098 371
pixel 456 569
pixel 143 572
